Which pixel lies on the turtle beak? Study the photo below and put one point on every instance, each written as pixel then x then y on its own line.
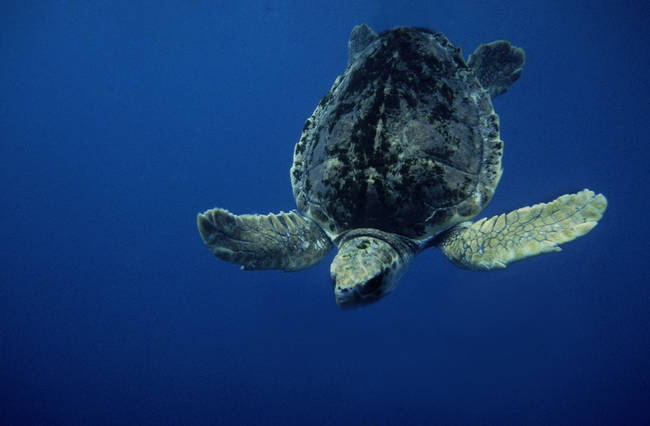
pixel 361 272
pixel 365 269
pixel 352 293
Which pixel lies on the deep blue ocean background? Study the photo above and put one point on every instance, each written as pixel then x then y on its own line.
pixel 119 121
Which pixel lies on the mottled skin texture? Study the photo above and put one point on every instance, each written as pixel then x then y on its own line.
pixel 397 157
pixel 369 265
pixel 497 65
pixel 406 141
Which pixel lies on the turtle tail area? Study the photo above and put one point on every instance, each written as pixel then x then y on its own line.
pixel 286 241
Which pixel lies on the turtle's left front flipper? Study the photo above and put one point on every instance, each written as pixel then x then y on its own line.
pixel 501 240
pixel 286 241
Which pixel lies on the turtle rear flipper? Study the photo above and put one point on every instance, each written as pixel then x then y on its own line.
pixel 360 38
pixel 286 241
pixel 501 240
pixel 497 65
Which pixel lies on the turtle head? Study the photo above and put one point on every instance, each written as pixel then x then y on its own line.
pixel 368 266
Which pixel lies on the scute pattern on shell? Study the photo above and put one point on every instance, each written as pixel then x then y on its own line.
pixel 406 141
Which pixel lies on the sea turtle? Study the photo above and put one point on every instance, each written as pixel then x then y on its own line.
pixel 401 153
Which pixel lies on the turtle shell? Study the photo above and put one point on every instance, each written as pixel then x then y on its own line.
pixel 406 141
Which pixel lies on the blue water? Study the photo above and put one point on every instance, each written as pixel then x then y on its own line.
pixel 119 121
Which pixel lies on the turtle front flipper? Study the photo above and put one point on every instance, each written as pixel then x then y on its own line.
pixel 286 241
pixel 497 65
pixel 501 240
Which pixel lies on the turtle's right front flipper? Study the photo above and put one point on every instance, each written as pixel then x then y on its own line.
pixel 286 241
